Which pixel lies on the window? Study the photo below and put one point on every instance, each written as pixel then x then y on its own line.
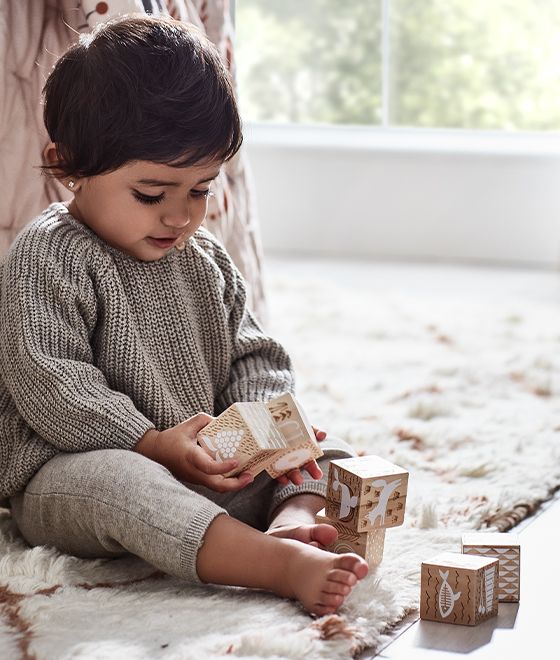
pixel 476 64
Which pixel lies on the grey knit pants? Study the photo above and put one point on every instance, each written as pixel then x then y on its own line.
pixel 111 502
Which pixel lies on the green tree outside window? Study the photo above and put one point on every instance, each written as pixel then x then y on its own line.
pixel 449 63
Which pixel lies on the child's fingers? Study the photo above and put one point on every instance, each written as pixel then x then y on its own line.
pixel 205 463
pixel 194 424
pixel 313 469
pixel 319 435
pixel 227 484
pixel 295 477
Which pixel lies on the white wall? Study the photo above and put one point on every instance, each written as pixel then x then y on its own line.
pixel 399 194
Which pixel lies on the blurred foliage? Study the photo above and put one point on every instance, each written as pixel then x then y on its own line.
pixel 487 64
pixel 310 61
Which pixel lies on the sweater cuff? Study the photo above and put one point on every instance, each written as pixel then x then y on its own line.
pixel 129 436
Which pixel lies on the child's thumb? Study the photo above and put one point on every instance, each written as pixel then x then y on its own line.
pixel 196 423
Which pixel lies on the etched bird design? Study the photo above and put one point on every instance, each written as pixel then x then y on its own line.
pixel 446 597
pixel 388 490
pixel 347 500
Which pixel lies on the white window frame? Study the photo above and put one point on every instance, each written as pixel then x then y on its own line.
pixel 445 194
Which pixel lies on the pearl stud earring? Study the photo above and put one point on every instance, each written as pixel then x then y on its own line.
pixel 71 184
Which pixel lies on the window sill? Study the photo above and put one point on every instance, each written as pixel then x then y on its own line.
pixel 365 138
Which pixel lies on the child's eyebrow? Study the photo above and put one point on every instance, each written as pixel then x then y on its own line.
pixel 159 182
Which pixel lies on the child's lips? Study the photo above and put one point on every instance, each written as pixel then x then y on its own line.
pixel 163 243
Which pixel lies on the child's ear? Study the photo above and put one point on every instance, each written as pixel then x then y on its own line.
pixel 51 157
pixel 50 154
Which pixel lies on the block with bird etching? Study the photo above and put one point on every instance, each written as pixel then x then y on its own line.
pixel 507 550
pixel 248 432
pixel 366 493
pixel 459 588
pixel 369 545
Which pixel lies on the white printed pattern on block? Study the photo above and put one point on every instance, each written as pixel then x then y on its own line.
pixel 387 490
pixel 487 590
pixel 226 443
pixel 446 597
pixel 347 501
pixel 509 560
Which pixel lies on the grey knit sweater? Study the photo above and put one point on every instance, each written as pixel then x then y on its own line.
pixel 97 347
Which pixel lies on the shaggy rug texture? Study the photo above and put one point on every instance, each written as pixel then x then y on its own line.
pixel 464 392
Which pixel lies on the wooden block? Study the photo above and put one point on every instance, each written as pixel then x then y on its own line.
pixel 369 545
pixel 274 436
pixel 504 547
pixel 459 588
pixel 245 431
pixel 292 422
pixel 366 493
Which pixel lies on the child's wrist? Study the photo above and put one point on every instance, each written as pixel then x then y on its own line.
pixel 146 445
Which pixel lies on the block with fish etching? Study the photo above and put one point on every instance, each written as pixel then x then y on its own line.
pixel 246 432
pixel 459 588
pixel 291 421
pixel 366 493
pixel 369 545
pixel 507 550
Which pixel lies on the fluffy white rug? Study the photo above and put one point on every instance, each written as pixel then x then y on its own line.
pixel 464 393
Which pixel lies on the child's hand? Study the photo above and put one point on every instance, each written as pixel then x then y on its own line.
pixel 319 435
pixel 176 449
pixel 296 477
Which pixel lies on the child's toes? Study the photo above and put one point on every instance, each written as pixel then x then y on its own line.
pixel 323 534
pixel 352 563
pixel 340 575
pixel 338 588
pixel 332 600
pixel 322 610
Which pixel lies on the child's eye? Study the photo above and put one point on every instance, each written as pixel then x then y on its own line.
pixel 202 193
pixel 147 199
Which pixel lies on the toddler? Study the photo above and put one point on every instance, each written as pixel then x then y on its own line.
pixel 124 329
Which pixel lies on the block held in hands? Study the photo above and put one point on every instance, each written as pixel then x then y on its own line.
pixel 273 436
pixel 292 422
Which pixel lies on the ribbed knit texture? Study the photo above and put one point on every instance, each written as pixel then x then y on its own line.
pixel 97 347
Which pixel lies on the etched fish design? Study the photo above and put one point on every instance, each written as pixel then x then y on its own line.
pixel 446 597
pixel 347 501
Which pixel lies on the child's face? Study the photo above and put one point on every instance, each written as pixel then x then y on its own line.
pixel 145 209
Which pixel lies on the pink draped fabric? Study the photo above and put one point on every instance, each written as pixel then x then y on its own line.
pixel 32 36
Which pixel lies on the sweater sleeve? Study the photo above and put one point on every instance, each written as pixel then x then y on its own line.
pixel 47 319
pixel 260 367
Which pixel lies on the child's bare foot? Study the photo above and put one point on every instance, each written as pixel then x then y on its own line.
pixel 319 535
pixel 321 580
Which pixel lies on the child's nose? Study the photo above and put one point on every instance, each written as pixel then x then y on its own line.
pixel 178 220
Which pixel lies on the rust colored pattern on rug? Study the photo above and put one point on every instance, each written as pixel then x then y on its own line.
pixel 10 609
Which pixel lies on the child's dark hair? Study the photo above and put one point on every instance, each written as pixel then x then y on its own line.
pixel 140 88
